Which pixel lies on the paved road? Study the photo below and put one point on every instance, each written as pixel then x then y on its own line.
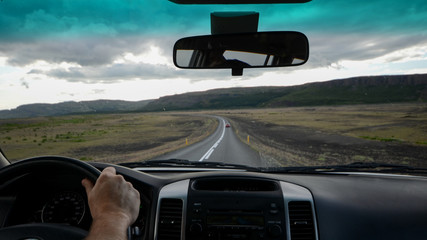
pixel 222 146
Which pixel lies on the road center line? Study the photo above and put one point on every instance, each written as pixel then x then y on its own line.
pixel 212 149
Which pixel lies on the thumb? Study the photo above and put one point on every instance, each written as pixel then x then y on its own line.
pixel 88 185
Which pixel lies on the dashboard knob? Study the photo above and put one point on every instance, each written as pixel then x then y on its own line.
pixel 275 230
pixel 196 228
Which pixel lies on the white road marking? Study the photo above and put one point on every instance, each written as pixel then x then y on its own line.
pixel 209 153
pixel 212 149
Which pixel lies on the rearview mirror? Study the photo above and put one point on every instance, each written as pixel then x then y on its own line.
pixel 242 50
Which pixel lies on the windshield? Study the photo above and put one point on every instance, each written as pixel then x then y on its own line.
pixel 95 80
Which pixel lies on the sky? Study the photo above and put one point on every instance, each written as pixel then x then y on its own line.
pixel 76 50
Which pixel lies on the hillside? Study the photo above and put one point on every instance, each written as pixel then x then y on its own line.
pixel 358 90
pixel 66 108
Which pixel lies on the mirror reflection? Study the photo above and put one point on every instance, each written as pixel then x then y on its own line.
pixel 261 49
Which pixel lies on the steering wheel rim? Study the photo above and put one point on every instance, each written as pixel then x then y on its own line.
pixel 42 231
pixel 31 164
pixel 45 231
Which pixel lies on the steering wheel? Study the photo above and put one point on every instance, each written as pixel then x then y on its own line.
pixel 45 231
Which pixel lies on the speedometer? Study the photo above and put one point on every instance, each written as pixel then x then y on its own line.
pixel 64 207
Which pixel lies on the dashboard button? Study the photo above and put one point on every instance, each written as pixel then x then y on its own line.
pixel 275 230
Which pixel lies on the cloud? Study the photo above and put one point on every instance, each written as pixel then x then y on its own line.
pixel 132 71
pixel 124 59
pixel 360 47
pixel 67 94
pixel 85 52
pixel 95 36
pixel 25 83
pixel 98 91
pixel 111 73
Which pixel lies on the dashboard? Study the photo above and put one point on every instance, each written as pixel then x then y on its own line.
pixel 223 204
pixel 56 199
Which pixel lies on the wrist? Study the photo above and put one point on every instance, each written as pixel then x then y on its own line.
pixel 114 218
pixel 106 228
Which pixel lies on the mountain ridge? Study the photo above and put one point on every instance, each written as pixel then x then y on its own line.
pixel 72 107
pixel 355 90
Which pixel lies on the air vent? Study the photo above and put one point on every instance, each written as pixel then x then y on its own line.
pixel 301 220
pixel 170 219
pixel 235 185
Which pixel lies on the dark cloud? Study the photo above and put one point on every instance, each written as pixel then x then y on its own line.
pixel 130 71
pixel 93 34
pixel 112 73
pixel 85 52
pixel 96 67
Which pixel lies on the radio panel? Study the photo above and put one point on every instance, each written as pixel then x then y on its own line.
pixel 218 215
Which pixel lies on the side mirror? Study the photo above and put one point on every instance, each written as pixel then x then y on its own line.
pixel 242 50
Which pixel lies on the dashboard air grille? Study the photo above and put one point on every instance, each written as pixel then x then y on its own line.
pixel 301 220
pixel 170 219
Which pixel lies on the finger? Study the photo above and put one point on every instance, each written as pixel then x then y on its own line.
pixel 109 170
pixel 88 185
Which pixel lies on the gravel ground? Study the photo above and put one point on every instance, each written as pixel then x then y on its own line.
pixel 296 146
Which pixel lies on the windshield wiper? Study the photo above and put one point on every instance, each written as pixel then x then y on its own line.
pixel 187 163
pixel 353 167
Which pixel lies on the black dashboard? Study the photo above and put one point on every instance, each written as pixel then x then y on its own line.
pixel 254 205
pixel 223 204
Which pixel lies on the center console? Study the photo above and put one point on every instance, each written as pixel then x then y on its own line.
pixel 241 208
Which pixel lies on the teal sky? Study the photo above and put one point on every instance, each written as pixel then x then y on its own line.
pixel 80 41
pixel 33 18
pixel 106 20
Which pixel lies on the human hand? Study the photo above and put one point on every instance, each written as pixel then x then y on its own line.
pixel 113 202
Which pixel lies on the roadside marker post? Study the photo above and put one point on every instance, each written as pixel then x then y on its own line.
pixel 248 138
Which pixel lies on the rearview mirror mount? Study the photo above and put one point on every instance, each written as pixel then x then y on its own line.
pixel 241 50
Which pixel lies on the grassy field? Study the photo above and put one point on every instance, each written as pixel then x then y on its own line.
pixel 102 137
pixel 386 122
pixel 394 133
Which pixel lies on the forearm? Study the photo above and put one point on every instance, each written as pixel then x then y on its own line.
pixel 106 229
pixel 114 206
